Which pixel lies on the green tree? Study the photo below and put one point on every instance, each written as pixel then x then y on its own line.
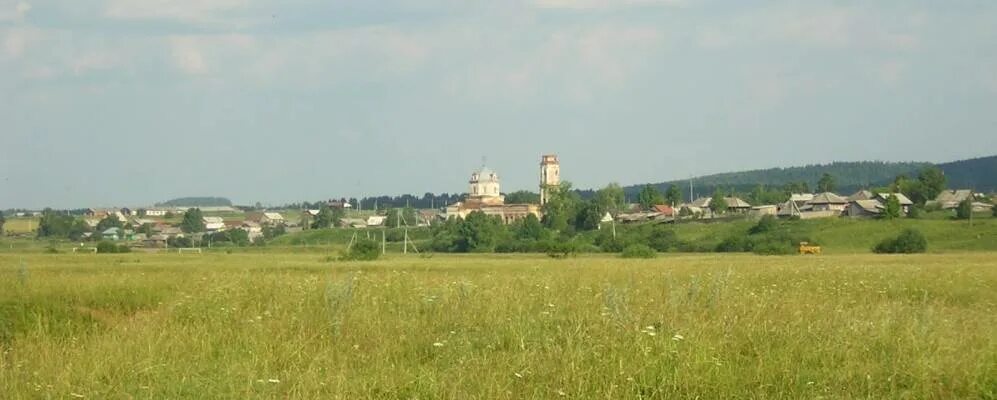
pixel 891 209
pixel 478 233
pixel 561 207
pixel 2 222
pixel 589 216
pixel 610 198
pixel 826 183
pixel 673 196
pixel 965 209
pixel 932 181
pixel 718 204
pixel 522 197
pixel 145 229
pixel 193 221
pixel 529 228
pixel 108 222
pixel 649 196
pixel 328 217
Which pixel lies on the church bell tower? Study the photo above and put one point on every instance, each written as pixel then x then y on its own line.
pixel 550 176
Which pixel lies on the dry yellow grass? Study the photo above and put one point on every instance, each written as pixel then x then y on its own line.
pixel 459 327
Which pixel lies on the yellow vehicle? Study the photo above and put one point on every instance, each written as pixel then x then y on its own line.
pixel 806 248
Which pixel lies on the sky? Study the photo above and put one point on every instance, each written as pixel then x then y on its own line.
pixel 130 102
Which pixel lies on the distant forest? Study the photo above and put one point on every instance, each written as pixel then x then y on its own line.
pixel 196 202
pixel 979 174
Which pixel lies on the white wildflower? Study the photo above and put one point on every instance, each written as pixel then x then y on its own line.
pixel 77 395
pixel 438 344
pixel 678 337
pixel 273 380
pixel 518 375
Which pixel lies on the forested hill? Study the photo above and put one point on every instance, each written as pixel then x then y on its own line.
pixel 196 202
pixel 979 174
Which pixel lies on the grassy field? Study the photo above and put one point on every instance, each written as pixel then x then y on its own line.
pixel 293 325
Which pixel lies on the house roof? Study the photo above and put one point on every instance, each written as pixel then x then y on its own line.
pixel 955 196
pixel 273 215
pixel 111 231
pixel 861 195
pixel 828 198
pixel 701 202
pixel 607 218
pixel 904 201
pixel 664 209
pixel 736 202
pixel 376 220
pixel 868 205
pixel 213 220
pixel 801 197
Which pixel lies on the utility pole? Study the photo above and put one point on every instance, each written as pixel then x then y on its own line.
pixel 384 248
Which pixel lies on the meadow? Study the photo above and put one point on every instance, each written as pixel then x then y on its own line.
pixel 297 325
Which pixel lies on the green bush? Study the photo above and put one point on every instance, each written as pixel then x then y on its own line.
pixel 768 223
pixel 733 244
pixel 561 249
pixel 915 212
pixel 639 251
pixel 363 250
pixel 909 241
pixel 106 247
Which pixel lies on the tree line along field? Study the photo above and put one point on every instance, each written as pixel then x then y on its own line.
pixel 294 325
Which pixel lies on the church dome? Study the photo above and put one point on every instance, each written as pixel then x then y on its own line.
pixel 484 175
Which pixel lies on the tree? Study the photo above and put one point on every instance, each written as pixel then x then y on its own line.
pixel 529 228
pixel 561 207
pixel 478 233
pixel 932 181
pixel 2 222
pixel 891 209
pixel 649 196
pixel 610 198
pixel 589 216
pixel 718 204
pixel 108 222
pixel 145 229
pixel 826 183
pixel 909 241
pixel 193 221
pixel 522 197
pixel 965 209
pixel 673 196
pixel 328 217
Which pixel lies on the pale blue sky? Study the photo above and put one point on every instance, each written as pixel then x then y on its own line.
pixel 128 102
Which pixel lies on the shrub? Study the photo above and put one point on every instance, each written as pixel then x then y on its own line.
pixel 965 209
pixel 639 251
pixel 561 249
pixel 915 212
pixel 733 244
pixel 363 250
pixel 768 223
pixel 993 210
pixel 106 247
pixel 909 241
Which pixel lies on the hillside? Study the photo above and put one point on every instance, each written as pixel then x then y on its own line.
pixel 196 202
pixel 978 173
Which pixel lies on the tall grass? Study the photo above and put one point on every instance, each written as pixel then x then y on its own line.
pixel 295 326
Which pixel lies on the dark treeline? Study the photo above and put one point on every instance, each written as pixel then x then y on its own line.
pixel 196 202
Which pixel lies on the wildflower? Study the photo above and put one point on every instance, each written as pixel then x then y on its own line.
pixel 561 393
pixel 77 395
pixel 650 327
pixel 437 344
pixel 678 337
pixel 273 380
pixel 518 375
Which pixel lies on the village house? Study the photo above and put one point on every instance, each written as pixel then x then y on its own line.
pixel 734 204
pixel 864 208
pixel 271 218
pixel 153 212
pixel 828 201
pixel 213 224
pixel 949 199
pixel 905 203
pixel 861 195
pixel 760 211
pixel 801 198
